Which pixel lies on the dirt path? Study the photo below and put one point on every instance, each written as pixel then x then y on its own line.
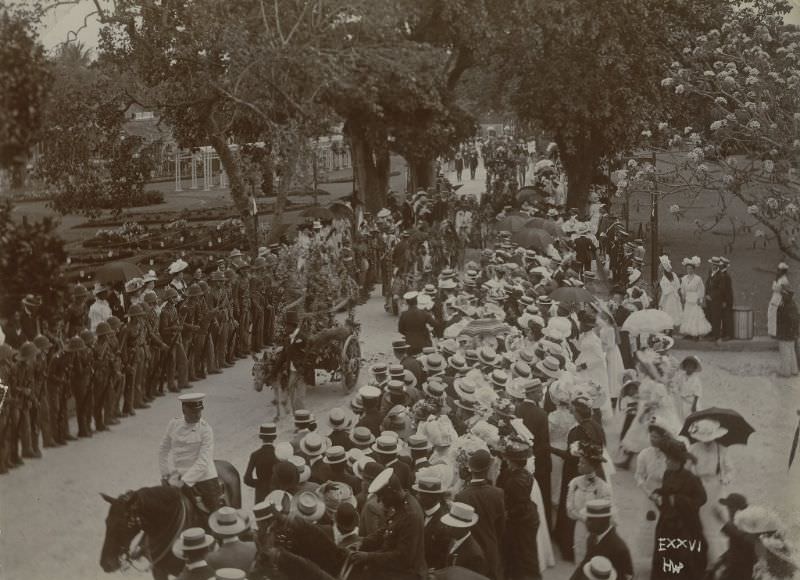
pixel 52 518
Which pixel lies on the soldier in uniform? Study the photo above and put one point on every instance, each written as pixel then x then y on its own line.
pixel 45 368
pixel 244 304
pixel 112 412
pixel 77 315
pixel 232 290
pixel 154 349
pixel 218 301
pixel 190 313
pixel 132 346
pixel 169 327
pixel 186 454
pixel 25 386
pixel 104 374
pixel 85 387
pixel 71 372
pixel 206 360
pixel 257 289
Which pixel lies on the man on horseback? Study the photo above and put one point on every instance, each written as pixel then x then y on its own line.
pixel 190 442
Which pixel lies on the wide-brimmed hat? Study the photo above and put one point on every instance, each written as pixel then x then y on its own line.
pixel 599 568
pixel 133 285
pixel 757 519
pixel 597 508
pixel 227 521
pixel 465 387
pixel 396 371
pixel 549 367
pixel 190 540
pixel 314 444
pixel 461 515
pixel 487 356
pixel 499 378
pixel 706 430
pixel 661 342
pixel 301 467
pixel 335 454
pixel 31 301
pixel 308 506
pixel 434 363
pixel 386 445
pixel 276 502
pixel 75 344
pixel 177 266
pixel 418 442
pixel 369 393
pixel 339 420
pixel 395 387
pixel 399 344
pixel 362 437
pixel 479 461
pixel 303 417
pixel 517 451
pixel 430 484
pixel 434 388
pixel 268 431
pixel 379 370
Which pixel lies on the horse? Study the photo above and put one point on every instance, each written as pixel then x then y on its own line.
pixel 267 372
pixel 157 516
pixel 312 544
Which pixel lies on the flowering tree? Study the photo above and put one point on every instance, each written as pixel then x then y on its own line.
pixel 737 89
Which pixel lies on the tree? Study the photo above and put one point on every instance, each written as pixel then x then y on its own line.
pixel 746 147
pixel 31 261
pixel 24 82
pixel 580 72
pixel 87 160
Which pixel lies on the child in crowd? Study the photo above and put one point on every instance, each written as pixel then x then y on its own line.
pixel 687 388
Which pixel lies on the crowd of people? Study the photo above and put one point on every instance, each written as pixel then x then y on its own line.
pixel 483 443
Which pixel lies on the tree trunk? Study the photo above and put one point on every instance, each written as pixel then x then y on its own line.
pixel 290 155
pixel 423 174
pixel 241 200
pixel 267 173
pixel 371 168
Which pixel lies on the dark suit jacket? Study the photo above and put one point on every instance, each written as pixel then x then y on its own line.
pixel 343 476
pixel 489 504
pixel 238 554
pixel 535 419
pixel 320 471
pixel 403 473
pixel 470 556
pixel 340 438
pixel 202 573
pixel 262 461
pixel 401 547
pixel 413 325
pixel 437 540
pixel 371 419
pixel 612 547
pixel 410 363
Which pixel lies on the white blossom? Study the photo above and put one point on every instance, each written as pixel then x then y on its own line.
pixel 752 209
pixel 717 125
pixel 687 130
pixel 753 124
pixel 790 208
pixel 674 208
pixel 667 82
pixel 759 233
pixel 769 166
pixel 679 90
pixel 647 133
pixel 772 203
pixel 708 73
pixel 722 101
pixel 663 126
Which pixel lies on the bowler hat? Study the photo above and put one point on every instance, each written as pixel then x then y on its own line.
pixel 480 461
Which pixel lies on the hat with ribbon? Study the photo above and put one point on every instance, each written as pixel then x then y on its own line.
pixel 386 445
pixel 339 420
pixel 549 367
pixel 335 454
pixel 308 506
pixel 314 444
pixel 599 568
pixel 190 540
pixel 362 437
pixel 276 502
pixel 226 522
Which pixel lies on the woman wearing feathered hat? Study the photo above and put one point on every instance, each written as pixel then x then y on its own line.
pixel 669 285
pixel 693 320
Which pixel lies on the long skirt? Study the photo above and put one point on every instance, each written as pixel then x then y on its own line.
pixel 712 527
pixel 543 544
pixel 789 367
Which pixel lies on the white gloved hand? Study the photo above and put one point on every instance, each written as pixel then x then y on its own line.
pixel 175 480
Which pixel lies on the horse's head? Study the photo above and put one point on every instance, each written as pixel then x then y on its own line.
pixel 122 524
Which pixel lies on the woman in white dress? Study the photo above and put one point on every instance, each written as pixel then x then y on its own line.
pixel 591 366
pixel 608 337
pixel 670 286
pixel 693 291
pixel 781 282
pixel 561 421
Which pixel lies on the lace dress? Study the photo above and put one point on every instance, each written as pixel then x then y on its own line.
pixel 693 320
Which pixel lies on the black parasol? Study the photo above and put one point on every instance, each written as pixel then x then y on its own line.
pixel 739 430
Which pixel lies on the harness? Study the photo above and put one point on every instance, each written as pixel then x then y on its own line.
pixel 135 544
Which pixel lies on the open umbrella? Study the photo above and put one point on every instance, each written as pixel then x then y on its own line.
pixel 117 272
pixel 572 295
pixel 648 321
pixel 739 430
pixel 511 223
pixel 341 210
pixel 533 239
pixel 483 326
pixel 317 213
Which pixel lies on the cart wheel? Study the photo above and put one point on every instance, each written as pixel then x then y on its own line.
pixel 351 362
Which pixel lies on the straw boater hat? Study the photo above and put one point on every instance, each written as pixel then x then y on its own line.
pixel 386 445
pixel 396 372
pixel 268 431
pixel 314 444
pixel 277 502
pixel 418 442
pixel 430 483
pixel 549 367
pixel 308 506
pixel 434 364
pixel 465 387
pixel 334 455
pixel 461 515
pixel 362 437
pixel 434 388
pixel 487 356
pixel 226 522
pixel 301 468
pixel 599 568
pixel 458 363
pixel 339 420
pixel 706 430
pixel 191 539
pixel 499 379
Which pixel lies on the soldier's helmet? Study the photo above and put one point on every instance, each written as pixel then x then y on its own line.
pixel 42 342
pixel 115 323
pixel 103 329
pixel 203 286
pixel 87 336
pixel 150 297
pixel 6 352
pixel 194 290
pixel 135 311
pixel 80 291
pixel 75 344
pixel 170 293
pixel 28 350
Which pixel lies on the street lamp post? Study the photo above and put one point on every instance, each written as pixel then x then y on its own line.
pixel 654 249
